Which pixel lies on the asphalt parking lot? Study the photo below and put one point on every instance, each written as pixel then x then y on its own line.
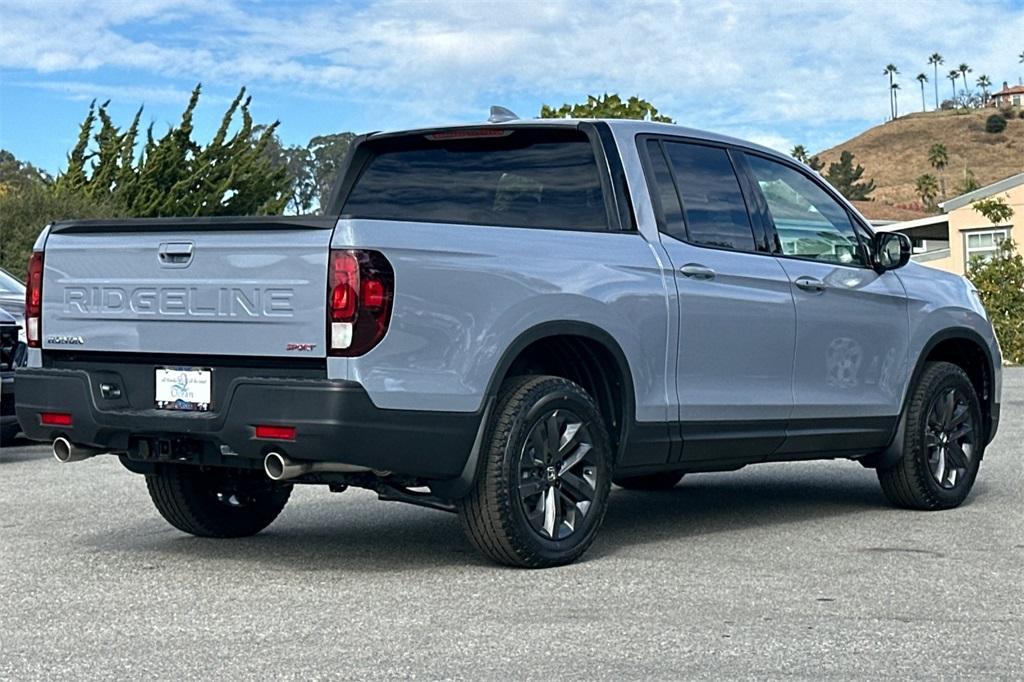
pixel 781 570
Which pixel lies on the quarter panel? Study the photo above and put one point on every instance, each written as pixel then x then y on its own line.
pixel 464 293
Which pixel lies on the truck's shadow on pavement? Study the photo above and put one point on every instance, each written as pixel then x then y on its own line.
pixel 379 537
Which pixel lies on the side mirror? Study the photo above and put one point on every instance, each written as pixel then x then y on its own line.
pixel 892 250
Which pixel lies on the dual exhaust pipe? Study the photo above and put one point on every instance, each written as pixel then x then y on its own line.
pixel 277 466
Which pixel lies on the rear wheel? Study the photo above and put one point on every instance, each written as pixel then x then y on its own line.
pixel 542 488
pixel 216 503
pixel 663 480
pixel 943 442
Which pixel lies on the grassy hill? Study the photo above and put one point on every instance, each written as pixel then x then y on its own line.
pixel 894 154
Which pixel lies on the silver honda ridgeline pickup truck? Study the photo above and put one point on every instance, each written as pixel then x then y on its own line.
pixel 501 320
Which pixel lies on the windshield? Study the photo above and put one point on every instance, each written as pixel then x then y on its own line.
pixel 9 285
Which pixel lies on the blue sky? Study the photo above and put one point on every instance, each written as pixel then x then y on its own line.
pixel 779 73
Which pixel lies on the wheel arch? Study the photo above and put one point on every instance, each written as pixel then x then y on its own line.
pixel 960 346
pixel 604 367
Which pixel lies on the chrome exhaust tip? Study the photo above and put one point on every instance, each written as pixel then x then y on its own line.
pixel 280 468
pixel 64 451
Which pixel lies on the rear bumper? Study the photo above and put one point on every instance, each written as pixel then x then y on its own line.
pixel 7 416
pixel 335 422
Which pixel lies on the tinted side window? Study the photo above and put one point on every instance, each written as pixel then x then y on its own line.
pixel 524 178
pixel 810 223
pixel 665 191
pixel 713 205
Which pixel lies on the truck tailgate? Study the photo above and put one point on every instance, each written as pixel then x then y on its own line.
pixel 253 286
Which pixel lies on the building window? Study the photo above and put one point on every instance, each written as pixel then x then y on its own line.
pixel 983 244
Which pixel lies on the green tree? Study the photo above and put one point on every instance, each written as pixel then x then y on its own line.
pixel 994 209
pixel 984 83
pixel 607 106
pixel 969 184
pixel 964 70
pixel 25 212
pixel 952 76
pixel 936 60
pixel 895 100
pixel 233 174
pixel 327 152
pixel 890 71
pixel 927 188
pixel 844 176
pixel 799 152
pixel 938 157
pixel 17 175
pixel 922 79
pixel 1000 284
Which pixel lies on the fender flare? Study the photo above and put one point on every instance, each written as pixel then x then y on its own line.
pixel 892 453
pixel 460 486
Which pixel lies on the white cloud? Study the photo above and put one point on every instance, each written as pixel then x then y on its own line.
pixel 732 65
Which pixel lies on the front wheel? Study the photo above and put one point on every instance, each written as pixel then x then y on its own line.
pixel 943 442
pixel 216 503
pixel 542 487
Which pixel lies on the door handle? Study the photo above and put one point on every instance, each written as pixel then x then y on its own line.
pixel 696 271
pixel 811 284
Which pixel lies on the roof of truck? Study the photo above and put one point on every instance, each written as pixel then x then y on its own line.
pixel 622 126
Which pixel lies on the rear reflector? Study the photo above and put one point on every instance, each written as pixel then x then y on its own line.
pixel 55 419
pixel 275 432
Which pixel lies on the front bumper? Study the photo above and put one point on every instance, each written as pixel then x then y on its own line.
pixel 335 421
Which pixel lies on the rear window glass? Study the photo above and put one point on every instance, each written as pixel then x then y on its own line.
pixel 524 178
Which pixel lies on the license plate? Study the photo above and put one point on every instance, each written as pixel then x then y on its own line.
pixel 183 388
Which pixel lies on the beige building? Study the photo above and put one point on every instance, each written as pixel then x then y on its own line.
pixel 950 240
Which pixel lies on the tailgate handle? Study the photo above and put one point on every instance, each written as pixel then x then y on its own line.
pixel 175 254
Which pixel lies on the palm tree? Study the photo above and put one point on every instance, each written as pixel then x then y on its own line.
pixel 891 70
pixel 1021 55
pixel 983 82
pixel 922 79
pixel 927 188
pixel 895 105
pixel 935 60
pixel 952 76
pixel 938 157
pixel 964 69
pixel 799 153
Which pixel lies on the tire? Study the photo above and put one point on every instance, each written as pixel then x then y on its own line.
pixel 929 474
pixel 216 503
pixel 8 434
pixel 663 480
pixel 541 489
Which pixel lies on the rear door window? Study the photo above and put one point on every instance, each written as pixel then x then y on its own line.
pixel 514 177
pixel 713 206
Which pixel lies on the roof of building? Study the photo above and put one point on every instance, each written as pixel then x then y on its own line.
pixel 1011 90
pixel 981 193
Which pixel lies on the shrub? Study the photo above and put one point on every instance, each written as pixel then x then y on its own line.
pixel 24 213
pixel 1000 283
pixel 995 124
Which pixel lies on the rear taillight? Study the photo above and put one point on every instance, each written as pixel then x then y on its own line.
pixel 34 301
pixel 360 290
